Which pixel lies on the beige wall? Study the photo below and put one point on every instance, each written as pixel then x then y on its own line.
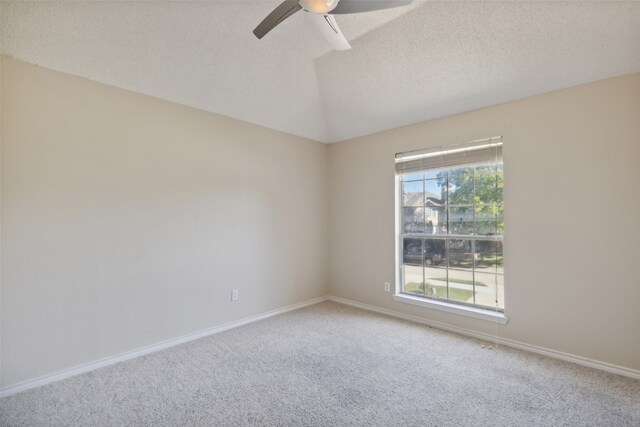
pixel 127 220
pixel 0 215
pixel 572 209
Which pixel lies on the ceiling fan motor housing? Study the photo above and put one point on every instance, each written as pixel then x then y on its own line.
pixel 319 7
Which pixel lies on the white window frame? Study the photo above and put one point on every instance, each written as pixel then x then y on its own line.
pixel 477 312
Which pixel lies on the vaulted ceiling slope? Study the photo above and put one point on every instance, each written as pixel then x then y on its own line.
pixel 426 60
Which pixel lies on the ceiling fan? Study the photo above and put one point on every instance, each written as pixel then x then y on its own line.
pixel 320 13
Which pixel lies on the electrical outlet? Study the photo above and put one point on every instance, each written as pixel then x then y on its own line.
pixel 234 295
pixel 387 286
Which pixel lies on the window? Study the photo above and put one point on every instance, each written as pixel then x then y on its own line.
pixel 450 225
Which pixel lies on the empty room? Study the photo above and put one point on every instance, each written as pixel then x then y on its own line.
pixel 320 213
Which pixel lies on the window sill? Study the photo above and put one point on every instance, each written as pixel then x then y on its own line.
pixel 477 313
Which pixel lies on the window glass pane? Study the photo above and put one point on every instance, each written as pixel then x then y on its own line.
pixel 412 193
pixel 412 269
pixel 488 188
pixel 435 192
pixel 413 211
pixel 454 172
pixel 435 253
pixel 435 212
pixel 413 177
pixel 487 256
pixel 459 254
pixel 435 219
pixel 488 220
pixel 412 280
pixel 413 220
pixel 486 169
pixel 461 286
pixel 460 220
pixel 412 253
pixel 435 173
pixel 436 282
pixel 461 186
pixel 489 288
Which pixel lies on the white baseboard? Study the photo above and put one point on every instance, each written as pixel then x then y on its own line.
pixel 70 372
pixel 76 370
pixel 608 367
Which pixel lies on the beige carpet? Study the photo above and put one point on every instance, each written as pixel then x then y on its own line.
pixel 333 365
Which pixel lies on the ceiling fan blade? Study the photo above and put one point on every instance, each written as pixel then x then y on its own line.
pixel 358 6
pixel 328 26
pixel 279 14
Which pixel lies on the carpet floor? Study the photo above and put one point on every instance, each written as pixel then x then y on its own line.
pixel 333 365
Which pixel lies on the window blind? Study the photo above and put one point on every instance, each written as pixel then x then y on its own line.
pixel 476 152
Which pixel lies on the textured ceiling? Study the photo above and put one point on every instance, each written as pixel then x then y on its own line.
pixel 407 65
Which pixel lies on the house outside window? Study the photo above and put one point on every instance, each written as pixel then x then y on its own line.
pixel 450 225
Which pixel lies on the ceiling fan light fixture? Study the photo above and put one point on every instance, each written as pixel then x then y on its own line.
pixel 320 7
pixel 323 10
